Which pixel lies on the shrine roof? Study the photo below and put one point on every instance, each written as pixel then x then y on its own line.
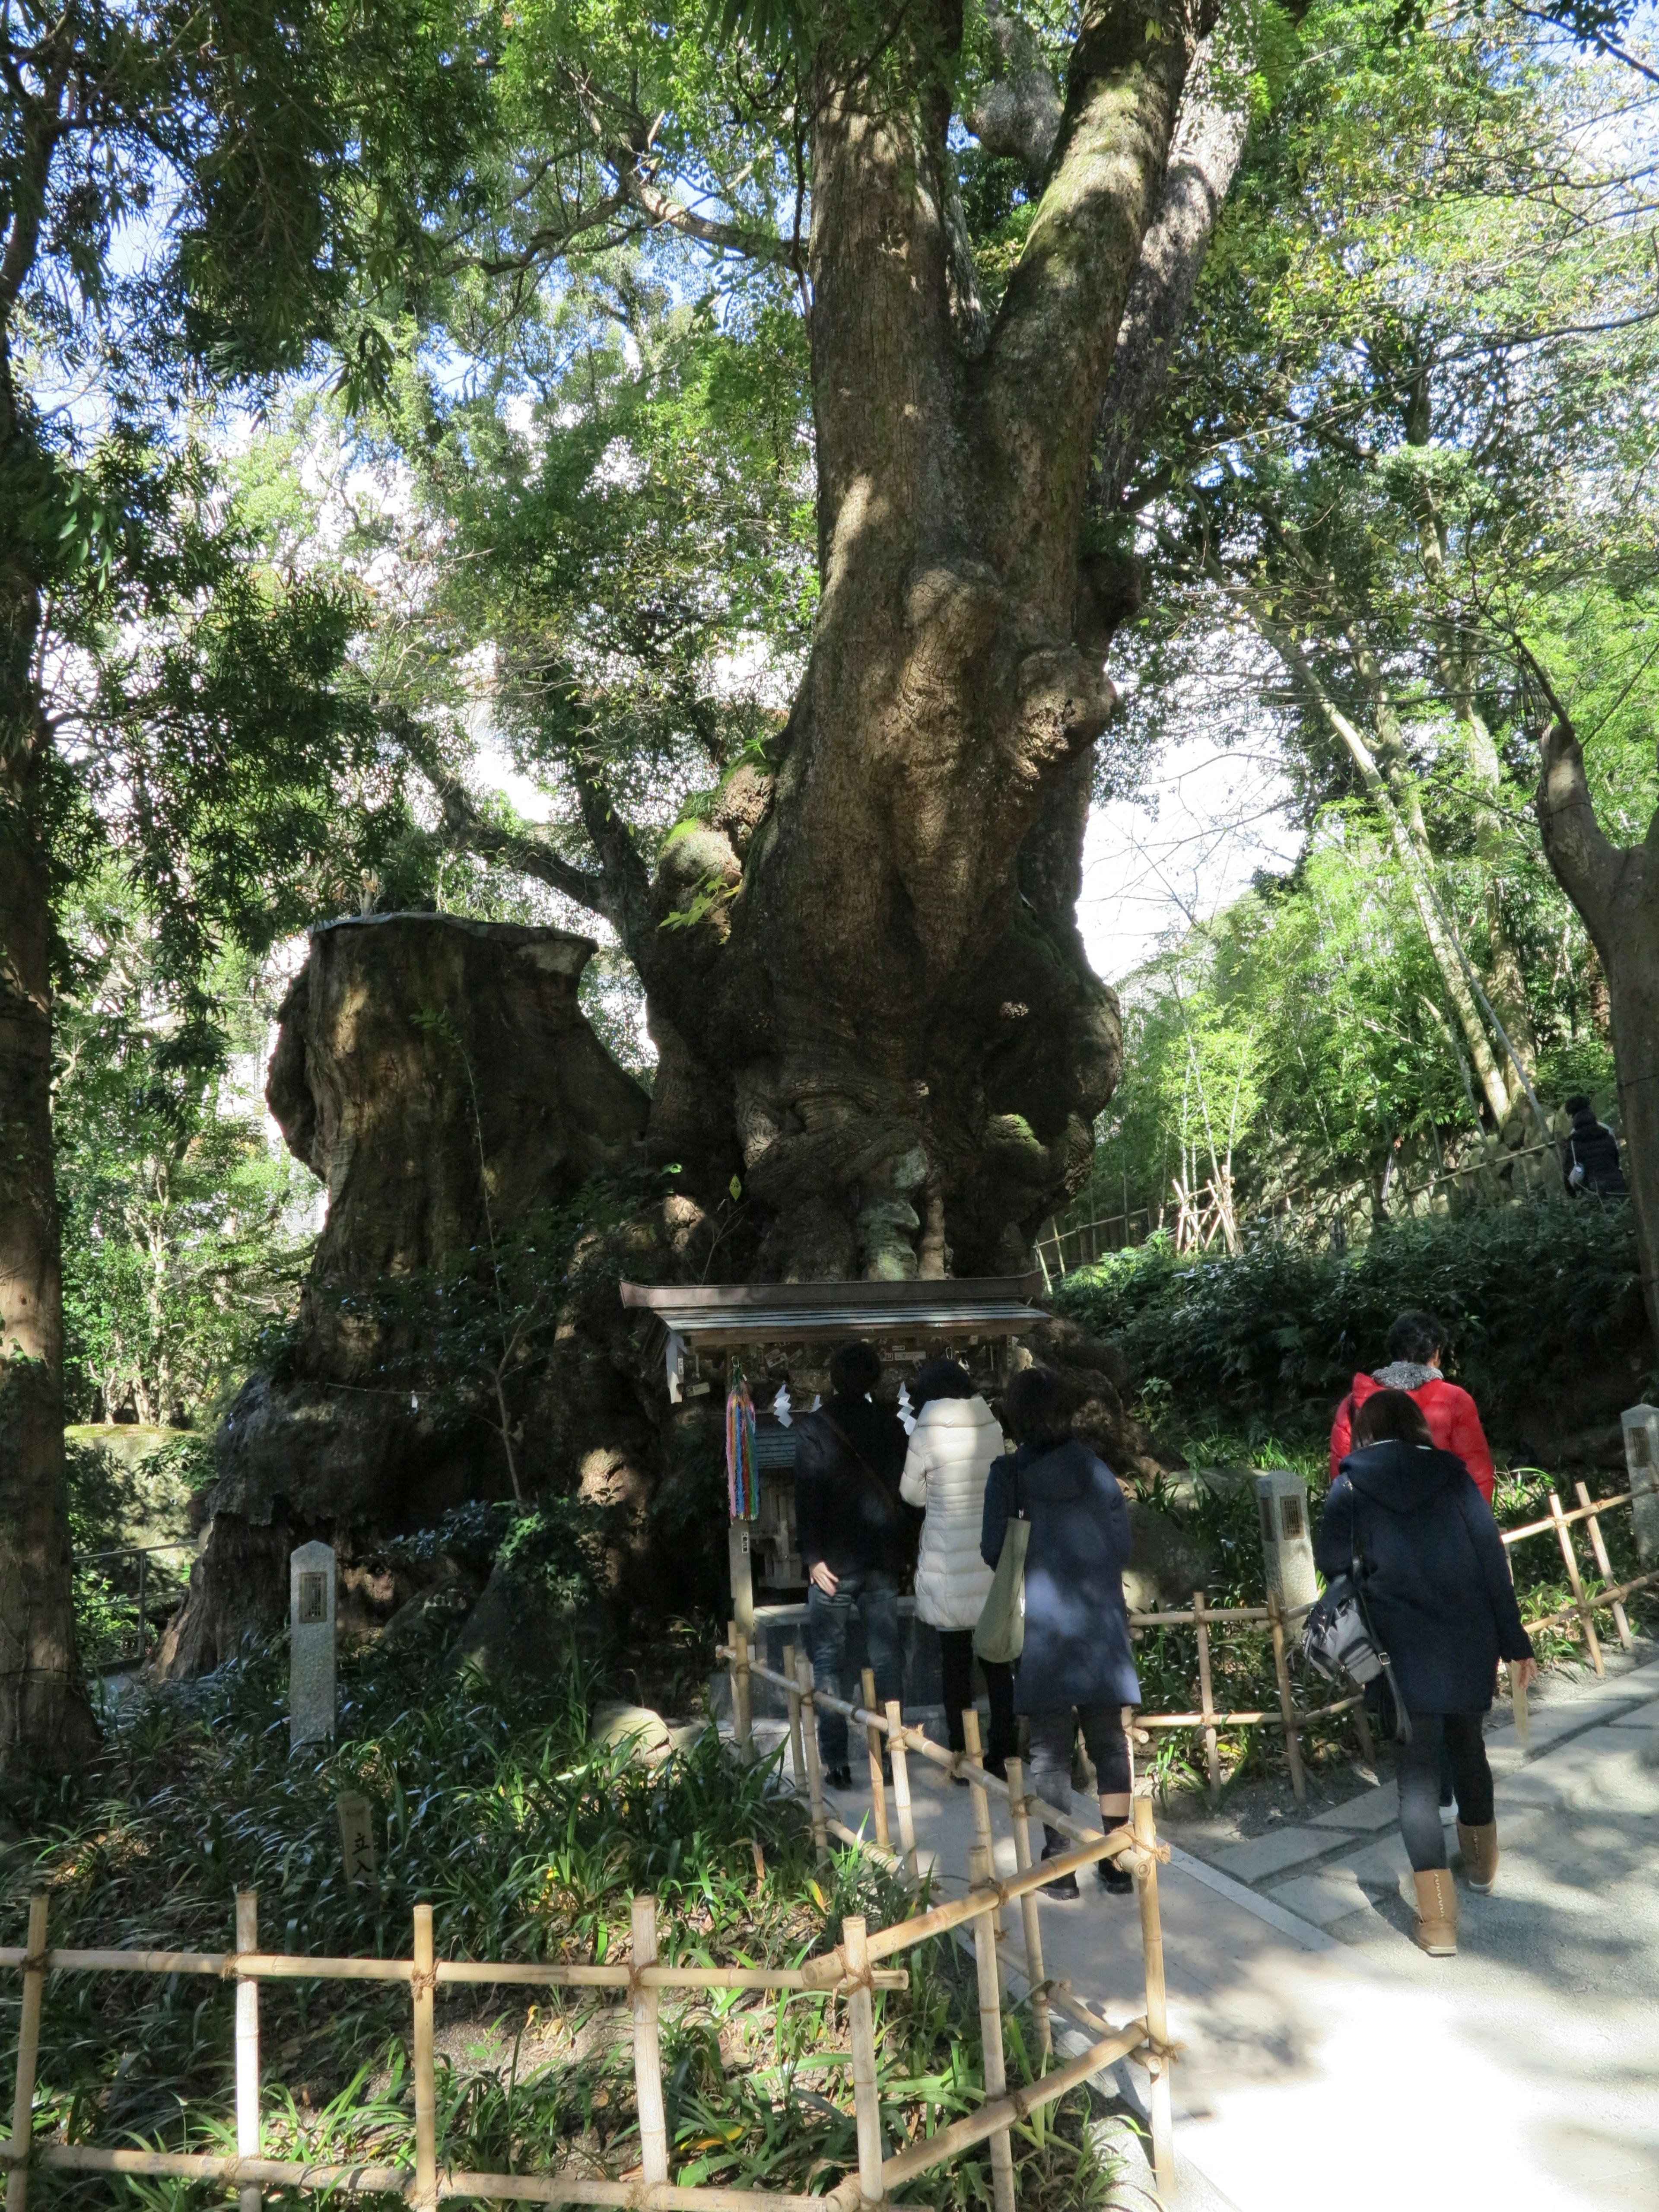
pixel 711 1316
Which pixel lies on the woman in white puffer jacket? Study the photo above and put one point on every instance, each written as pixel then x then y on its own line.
pixel 954 1440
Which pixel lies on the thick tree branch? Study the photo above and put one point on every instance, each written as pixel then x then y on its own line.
pixel 1210 135
pixel 1052 343
pixel 1019 118
pixel 1585 862
pixel 468 831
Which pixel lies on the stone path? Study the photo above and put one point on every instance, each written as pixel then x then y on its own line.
pixel 1328 2059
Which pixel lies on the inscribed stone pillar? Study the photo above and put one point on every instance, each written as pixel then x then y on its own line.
pixel 311 1646
pixel 1641 1460
pixel 1287 1544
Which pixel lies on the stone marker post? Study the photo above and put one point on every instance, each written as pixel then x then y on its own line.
pixel 1642 1460
pixel 311 1648
pixel 1287 1543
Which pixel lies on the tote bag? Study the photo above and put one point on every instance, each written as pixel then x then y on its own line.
pixel 1001 1633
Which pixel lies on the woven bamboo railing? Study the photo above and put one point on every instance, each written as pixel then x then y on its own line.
pixel 852 1971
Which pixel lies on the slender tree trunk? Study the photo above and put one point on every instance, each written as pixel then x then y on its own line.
pixel 46 1722
pixel 1616 891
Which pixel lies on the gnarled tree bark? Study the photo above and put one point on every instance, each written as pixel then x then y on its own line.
pixel 880 1014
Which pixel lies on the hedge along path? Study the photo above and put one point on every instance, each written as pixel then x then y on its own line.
pixel 1146 2040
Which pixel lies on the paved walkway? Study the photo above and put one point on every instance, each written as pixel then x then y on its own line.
pixel 1328 2060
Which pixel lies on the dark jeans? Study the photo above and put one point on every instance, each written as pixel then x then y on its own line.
pixel 875 1593
pixel 1459 1735
pixel 956 1659
pixel 1051 1755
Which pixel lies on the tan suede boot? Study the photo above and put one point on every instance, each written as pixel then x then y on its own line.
pixel 1479 1850
pixel 1437 1913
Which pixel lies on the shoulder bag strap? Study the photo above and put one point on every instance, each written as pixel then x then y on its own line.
pixel 1404 1718
pixel 889 1497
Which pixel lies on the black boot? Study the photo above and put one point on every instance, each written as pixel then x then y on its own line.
pixel 1064 1885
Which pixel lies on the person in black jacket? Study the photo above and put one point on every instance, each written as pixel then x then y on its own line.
pixel 1436 1586
pixel 848 1458
pixel 1078 1667
pixel 1589 1155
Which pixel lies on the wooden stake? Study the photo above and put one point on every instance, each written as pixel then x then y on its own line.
pixel 974 1771
pixel 742 1729
pixel 990 2025
pixel 1035 1973
pixel 247 2047
pixel 1205 1698
pixel 28 2053
pixel 862 2027
pixel 1604 1567
pixel 1587 1619
pixel 1286 1702
pixel 900 1757
pixel 422 1983
pixel 797 1749
pixel 1523 1716
pixel 647 2049
pixel 1157 2010
pixel 809 1724
pixel 878 1785
pixel 1361 1728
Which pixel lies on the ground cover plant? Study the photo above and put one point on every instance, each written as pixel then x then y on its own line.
pixel 529 1839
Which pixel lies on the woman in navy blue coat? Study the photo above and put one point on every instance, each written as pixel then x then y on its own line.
pixel 1436 1588
pixel 1077 1667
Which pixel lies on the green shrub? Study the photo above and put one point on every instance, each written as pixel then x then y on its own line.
pixel 1531 1297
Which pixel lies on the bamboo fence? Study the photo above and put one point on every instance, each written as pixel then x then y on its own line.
pixel 1135 1844
pixel 852 1969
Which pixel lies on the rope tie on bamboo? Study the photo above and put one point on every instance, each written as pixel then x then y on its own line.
pixel 423 1982
pixel 34 1962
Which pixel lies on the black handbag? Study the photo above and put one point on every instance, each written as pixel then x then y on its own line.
pixel 1338 1641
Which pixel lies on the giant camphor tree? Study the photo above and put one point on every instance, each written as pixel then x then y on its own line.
pixel 866 987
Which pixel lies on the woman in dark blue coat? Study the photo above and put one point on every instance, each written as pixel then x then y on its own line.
pixel 1436 1588
pixel 1076 1667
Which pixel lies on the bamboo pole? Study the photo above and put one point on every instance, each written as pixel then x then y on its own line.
pixel 814 1763
pixel 1522 1715
pixel 1207 1698
pixel 973 1768
pixel 897 1752
pixel 648 2048
pixel 1579 1513
pixel 980 1875
pixel 878 1782
pixel 1592 1642
pixel 1029 1917
pixel 861 2028
pixel 792 1689
pixel 1158 2013
pixel 423 1982
pixel 1011 2110
pixel 28 2053
pixel 247 2048
pixel 1604 1565
pixel 743 1731
pixel 1286 1703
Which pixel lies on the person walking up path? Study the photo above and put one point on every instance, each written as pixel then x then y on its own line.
pixel 1454 1420
pixel 1077 1668
pixel 1436 1586
pixel 849 1456
pixel 956 1439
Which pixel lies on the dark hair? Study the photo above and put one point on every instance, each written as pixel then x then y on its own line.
pixel 1390 1413
pixel 1415 1336
pixel 940 1378
pixel 1034 1408
pixel 854 1368
pixel 1579 1104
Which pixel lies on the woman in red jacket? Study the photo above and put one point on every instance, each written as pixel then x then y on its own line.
pixel 1414 1367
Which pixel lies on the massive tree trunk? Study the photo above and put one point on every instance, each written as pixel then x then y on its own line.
pixel 46 1722
pixel 872 1004
pixel 1616 891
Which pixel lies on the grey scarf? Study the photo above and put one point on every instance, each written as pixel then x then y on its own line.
pixel 1405 1375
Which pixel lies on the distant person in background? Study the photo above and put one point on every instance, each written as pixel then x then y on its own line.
pixel 1589 1155
pixel 848 1457
pixel 1078 1667
pixel 956 1439
pixel 1436 1586
pixel 1413 1348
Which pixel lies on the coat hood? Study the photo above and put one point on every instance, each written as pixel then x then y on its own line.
pixel 1401 1477
pixel 958 1413
pixel 1056 1476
